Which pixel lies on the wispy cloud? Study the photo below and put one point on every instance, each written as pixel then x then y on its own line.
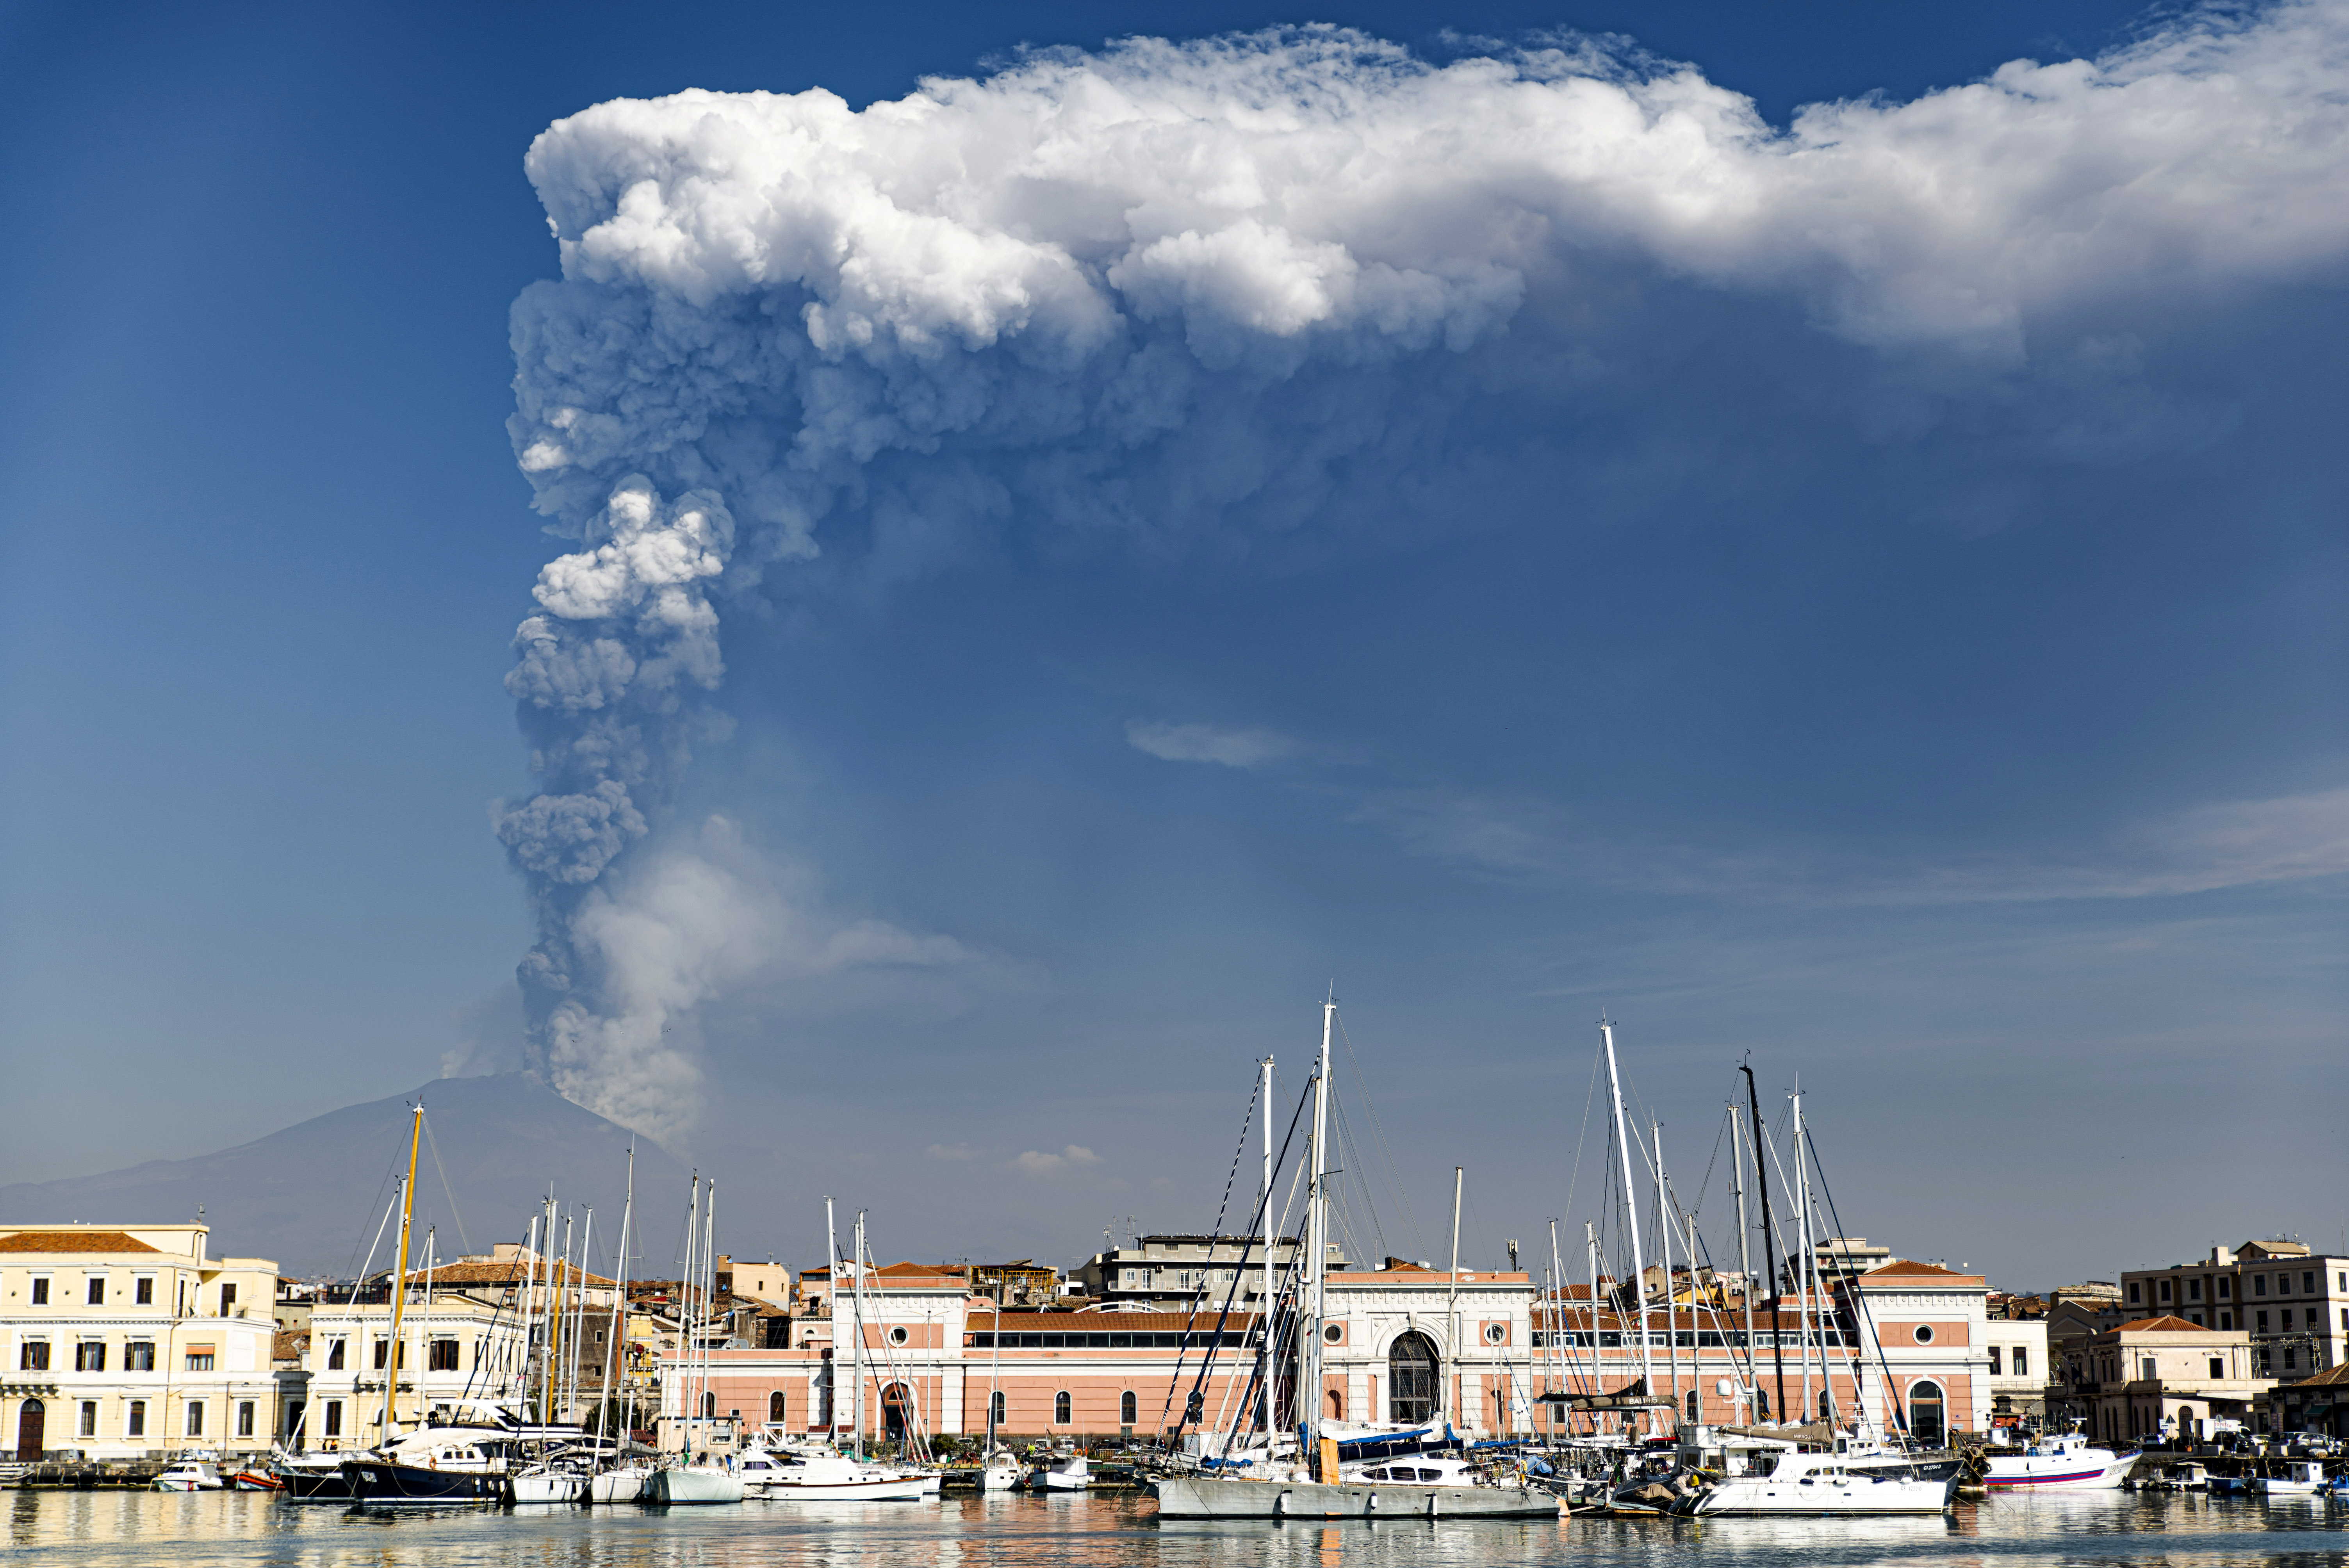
pixel 2224 844
pixel 1034 1162
pixel 1208 743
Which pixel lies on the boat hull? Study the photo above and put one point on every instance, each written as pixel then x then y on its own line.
pixel 307 1485
pixel 375 1483
pixel 691 1486
pixel 2096 1477
pixel 1192 1496
pixel 900 1488
pixel 1758 1498
pixel 612 1487
pixel 558 1489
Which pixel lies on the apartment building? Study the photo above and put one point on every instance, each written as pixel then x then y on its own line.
pixel 1175 1273
pixel 2293 1302
pixel 2156 1376
pixel 132 1341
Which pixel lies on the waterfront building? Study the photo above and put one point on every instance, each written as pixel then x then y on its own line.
pixel 2151 1378
pixel 1176 1273
pixel 2293 1302
pixel 2016 1343
pixel 132 1341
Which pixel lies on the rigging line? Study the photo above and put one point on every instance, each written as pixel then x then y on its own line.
pixel 1378 1133
pixel 1862 1316
pixel 1183 1351
pixel 1214 1339
pixel 435 1145
pixel 1349 1150
pixel 1574 1175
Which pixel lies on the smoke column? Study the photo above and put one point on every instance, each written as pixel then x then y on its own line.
pixel 1214 296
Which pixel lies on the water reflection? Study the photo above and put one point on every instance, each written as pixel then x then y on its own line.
pixel 2056 1531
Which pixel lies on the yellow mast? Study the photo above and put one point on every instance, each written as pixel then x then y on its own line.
pixel 400 1274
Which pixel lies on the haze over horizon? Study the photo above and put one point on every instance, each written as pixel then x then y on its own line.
pixel 1064 539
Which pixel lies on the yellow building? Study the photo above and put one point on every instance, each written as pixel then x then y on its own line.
pixel 131 1341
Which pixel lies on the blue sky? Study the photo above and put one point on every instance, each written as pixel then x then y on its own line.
pixel 1950 715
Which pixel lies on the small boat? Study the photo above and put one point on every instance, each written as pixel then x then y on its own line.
pixel 704 1482
pixel 553 1482
pixel 833 1478
pixel 2184 1476
pixel 1819 1486
pixel 254 1478
pixel 622 1483
pixel 190 1475
pixel 2066 1463
pixel 2298 1477
pixel 1071 1474
pixel 999 1473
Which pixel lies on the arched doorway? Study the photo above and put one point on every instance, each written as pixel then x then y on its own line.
pixel 31 1421
pixel 1412 1370
pixel 895 1417
pixel 1336 1402
pixel 1925 1413
pixel 775 1408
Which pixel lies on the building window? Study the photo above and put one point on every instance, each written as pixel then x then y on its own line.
pixel 1060 1408
pixel 994 1411
pixel 2022 1361
pixel 897 1335
pixel 200 1360
pixel 1761 1404
pixel 139 1355
pixel 2226 1288
pixel 2198 1319
pixel 33 1355
pixel 2194 1290
pixel 2218 1366
pixel 2132 1288
pixel 1925 1418
pixel 2266 1358
pixel 334 1356
pixel 2145 1369
pixel 2308 1282
pixel 40 1290
pixel 2286 1315
pixel 195 1419
pixel 1994 1370
pixel 443 1357
pixel 2165 1290
pixel 1410 1379
pixel 89 1419
pixel 244 1418
pixel 2261 1318
pixel 98 1290
pixel 1125 1409
pixel 334 1418
pixel 90 1355
pixel 775 1408
pixel 134 1425
pixel 228 1299
pixel 2259 1285
pixel 143 1290
pixel 1924 1334
pixel 2226 1320
pixel 2290 1358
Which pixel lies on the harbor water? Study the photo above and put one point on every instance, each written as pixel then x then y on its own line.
pixel 215 1530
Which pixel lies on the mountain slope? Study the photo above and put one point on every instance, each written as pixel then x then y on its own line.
pixel 313 1196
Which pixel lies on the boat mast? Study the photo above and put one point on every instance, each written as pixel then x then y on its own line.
pixel 424 1325
pixel 995 1366
pixel 1769 1236
pixel 1807 1272
pixel 620 1302
pixel 856 1305
pixel 1264 1297
pixel 685 1313
pixel 1745 1259
pixel 1631 1210
pixel 1664 1261
pixel 1597 1368
pixel 1316 1260
pixel 399 1273
pixel 832 1305
pixel 1452 1302
pixel 709 1305
pixel 1557 1320
pixel 579 1311
pixel 553 1371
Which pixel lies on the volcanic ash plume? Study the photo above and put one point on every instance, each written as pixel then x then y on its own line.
pixel 1219 295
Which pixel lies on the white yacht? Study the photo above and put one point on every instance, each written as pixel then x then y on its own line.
pixel 704 1481
pixel 556 1481
pixel 999 1473
pixel 2298 1477
pixel 2066 1463
pixel 624 1482
pixel 829 1478
pixel 1071 1474
pixel 1816 1485
pixel 190 1475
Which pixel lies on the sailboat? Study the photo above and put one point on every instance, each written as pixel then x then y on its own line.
pixel 690 1478
pixel 623 1480
pixel 1321 1491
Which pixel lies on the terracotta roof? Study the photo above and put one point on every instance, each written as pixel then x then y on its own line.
pixel 505 1271
pixel 288 1345
pixel 1902 1266
pixel 2164 1324
pixel 74 1242
pixel 2334 1376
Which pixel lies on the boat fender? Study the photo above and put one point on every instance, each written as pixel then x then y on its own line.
pixel 1372 1505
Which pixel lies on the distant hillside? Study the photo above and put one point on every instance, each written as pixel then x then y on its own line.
pixel 312 1196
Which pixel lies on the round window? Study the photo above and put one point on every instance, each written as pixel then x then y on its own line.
pixel 897 1336
pixel 1494 1333
pixel 1924 1334
pixel 1331 1333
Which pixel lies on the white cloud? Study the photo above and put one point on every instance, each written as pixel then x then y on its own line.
pixel 1207 743
pixel 2227 845
pixel 1033 1162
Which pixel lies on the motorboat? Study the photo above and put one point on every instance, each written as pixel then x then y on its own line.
pixel 2297 1478
pixel 831 1477
pixel 314 1476
pixel 1071 1474
pixel 704 1482
pixel 190 1475
pixel 999 1473
pixel 1817 1485
pixel 2185 1475
pixel 2066 1463
pixel 254 1478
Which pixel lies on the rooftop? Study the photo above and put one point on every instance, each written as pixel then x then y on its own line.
pixel 75 1241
